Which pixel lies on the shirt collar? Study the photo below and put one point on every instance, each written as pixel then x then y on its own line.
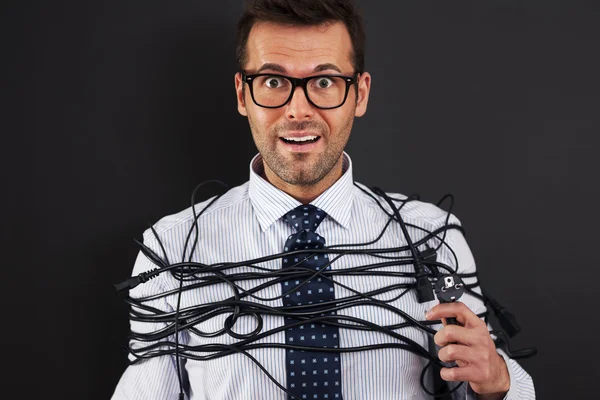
pixel 270 203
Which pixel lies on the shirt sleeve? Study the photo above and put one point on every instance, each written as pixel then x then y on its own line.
pixel 153 378
pixel 521 383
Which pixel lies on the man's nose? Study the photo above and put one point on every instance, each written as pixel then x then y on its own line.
pixel 299 107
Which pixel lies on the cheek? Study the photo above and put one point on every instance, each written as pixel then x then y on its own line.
pixel 338 123
pixel 264 118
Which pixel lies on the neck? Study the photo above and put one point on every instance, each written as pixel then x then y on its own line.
pixel 305 193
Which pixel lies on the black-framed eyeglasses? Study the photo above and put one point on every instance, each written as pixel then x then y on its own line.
pixel 322 91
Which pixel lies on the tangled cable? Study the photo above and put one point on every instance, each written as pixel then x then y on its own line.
pixel 246 302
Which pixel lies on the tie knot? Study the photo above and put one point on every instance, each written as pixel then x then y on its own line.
pixel 305 217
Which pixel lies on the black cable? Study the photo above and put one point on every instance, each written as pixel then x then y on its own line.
pixel 424 289
pixel 434 233
pixel 197 275
pixel 181 394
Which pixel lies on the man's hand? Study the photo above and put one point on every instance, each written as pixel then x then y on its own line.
pixel 473 349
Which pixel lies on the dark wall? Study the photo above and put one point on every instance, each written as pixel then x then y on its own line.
pixel 115 109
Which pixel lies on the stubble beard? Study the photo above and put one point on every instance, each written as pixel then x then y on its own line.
pixel 297 171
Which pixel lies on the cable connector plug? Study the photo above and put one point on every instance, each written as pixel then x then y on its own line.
pixel 449 288
pixel 128 284
pixel 507 320
pixel 424 288
pixel 428 254
pixel 502 342
pixel 136 280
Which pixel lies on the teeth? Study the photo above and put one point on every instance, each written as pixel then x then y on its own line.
pixel 301 139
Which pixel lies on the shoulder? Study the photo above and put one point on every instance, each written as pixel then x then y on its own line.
pixel 411 209
pixel 232 198
pixel 430 218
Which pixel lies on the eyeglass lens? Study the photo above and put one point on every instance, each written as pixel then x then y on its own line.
pixel 323 91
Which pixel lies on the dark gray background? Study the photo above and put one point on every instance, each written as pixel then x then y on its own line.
pixel 115 109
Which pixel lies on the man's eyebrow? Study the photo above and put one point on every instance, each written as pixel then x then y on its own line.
pixel 281 69
pixel 325 67
pixel 272 67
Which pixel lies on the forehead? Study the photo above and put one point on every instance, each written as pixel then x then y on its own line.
pixel 299 48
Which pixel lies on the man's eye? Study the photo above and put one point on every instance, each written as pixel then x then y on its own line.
pixel 324 83
pixel 273 82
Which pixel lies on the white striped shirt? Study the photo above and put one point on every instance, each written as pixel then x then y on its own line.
pixel 245 223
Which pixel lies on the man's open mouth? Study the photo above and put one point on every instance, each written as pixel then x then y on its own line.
pixel 301 140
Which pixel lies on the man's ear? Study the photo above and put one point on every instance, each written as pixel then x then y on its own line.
pixel 364 87
pixel 239 92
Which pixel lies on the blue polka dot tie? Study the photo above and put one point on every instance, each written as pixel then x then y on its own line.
pixel 310 374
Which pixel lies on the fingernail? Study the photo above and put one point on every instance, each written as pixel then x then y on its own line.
pixel 428 314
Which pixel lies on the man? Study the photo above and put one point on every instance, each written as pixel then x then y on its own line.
pixel 302 83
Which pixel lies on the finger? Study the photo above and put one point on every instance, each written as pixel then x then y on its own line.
pixel 457 309
pixel 455 334
pixel 460 374
pixel 458 353
pixel 451 321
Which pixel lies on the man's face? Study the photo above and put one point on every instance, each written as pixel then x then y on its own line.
pixel 300 52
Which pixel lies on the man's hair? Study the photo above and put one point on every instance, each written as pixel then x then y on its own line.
pixel 303 13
